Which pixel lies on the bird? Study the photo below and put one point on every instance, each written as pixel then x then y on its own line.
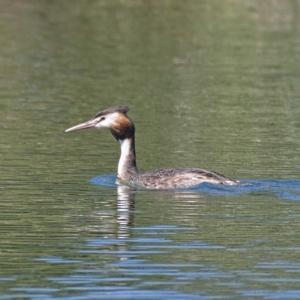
pixel 122 128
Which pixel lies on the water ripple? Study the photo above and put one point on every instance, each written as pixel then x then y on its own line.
pixel 283 189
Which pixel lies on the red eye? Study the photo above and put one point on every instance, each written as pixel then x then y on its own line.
pixel 102 119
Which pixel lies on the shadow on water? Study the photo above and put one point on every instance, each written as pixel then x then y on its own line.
pixel 283 189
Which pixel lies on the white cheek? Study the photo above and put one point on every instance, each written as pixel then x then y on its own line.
pixel 102 125
pixel 107 122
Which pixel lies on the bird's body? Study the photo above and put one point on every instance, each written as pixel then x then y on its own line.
pixel 176 178
pixel 122 128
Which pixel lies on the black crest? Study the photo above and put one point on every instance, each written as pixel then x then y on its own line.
pixel 121 108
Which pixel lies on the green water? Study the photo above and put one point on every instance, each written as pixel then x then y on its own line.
pixel 212 84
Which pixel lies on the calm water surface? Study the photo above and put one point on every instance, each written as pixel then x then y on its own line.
pixel 213 84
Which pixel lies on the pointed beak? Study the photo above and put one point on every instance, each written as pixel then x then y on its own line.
pixel 86 125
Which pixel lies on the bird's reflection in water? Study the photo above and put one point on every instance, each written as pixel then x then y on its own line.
pixel 125 210
pixel 110 226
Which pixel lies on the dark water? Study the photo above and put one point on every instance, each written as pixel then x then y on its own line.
pixel 212 84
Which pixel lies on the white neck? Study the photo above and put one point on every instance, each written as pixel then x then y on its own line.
pixel 125 151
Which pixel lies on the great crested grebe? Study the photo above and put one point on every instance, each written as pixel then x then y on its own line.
pixel 116 120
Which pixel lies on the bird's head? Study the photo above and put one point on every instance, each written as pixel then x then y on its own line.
pixel 114 118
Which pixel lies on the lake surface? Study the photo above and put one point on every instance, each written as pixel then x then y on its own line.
pixel 212 84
